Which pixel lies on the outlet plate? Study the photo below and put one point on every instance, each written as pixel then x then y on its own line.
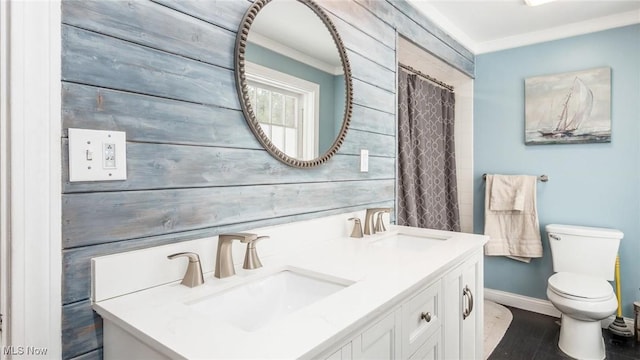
pixel 97 155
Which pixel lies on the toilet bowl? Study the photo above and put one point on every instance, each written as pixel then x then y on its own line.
pixel 583 259
pixel 582 297
pixel 583 304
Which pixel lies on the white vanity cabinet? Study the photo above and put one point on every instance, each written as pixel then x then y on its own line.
pixel 430 350
pixel 379 341
pixel 344 353
pixel 440 321
pixel 405 294
pixel 410 331
pixel 463 310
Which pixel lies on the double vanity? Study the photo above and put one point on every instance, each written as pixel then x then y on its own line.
pixel 405 293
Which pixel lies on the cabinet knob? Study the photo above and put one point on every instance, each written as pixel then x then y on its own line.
pixel 426 316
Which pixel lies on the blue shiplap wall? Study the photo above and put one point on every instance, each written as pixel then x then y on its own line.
pixel 162 71
pixel 591 184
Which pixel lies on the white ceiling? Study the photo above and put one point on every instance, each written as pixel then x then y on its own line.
pixel 485 26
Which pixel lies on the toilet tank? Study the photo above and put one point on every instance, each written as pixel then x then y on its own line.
pixel 584 250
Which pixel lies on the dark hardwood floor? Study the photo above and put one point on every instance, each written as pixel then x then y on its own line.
pixel 535 336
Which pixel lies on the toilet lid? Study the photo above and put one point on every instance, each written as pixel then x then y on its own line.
pixel 581 286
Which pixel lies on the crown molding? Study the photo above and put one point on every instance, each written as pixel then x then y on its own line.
pixel 550 34
pixel 445 24
pixel 559 32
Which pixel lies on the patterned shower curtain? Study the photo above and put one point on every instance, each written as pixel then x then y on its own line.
pixel 427 188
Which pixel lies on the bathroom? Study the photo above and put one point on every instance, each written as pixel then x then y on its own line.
pixel 182 169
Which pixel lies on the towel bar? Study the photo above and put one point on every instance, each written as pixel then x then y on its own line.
pixel 543 178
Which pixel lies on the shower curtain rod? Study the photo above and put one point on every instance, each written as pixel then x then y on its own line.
pixel 432 79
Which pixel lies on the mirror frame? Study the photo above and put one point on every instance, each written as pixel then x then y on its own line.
pixel 243 93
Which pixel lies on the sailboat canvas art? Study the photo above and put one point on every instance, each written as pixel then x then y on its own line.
pixel 568 108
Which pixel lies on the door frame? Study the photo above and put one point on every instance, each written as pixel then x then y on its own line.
pixel 30 172
pixel 5 219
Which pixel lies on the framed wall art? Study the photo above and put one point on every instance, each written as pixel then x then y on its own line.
pixel 568 108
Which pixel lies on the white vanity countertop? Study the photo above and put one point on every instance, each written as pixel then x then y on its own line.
pixel 381 275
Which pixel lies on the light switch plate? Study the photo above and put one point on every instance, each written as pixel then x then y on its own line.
pixel 97 155
pixel 364 160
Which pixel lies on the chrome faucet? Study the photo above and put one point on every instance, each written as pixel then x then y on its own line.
pixel 369 227
pixel 224 257
pixel 193 276
pixel 357 228
pixel 251 259
pixel 380 223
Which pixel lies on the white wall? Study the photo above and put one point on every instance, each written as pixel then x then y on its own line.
pixel 412 55
pixel 30 121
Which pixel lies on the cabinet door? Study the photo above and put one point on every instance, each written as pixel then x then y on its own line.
pixel 119 344
pixel 430 350
pixel 463 310
pixel 343 353
pixel 379 341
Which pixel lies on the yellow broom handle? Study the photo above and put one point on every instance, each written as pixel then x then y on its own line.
pixel 619 311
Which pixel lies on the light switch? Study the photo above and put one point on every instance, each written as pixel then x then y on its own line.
pixel 364 160
pixel 97 155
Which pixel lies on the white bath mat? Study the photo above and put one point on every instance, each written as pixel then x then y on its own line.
pixel 496 321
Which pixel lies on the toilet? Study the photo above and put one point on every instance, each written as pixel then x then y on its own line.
pixel 583 263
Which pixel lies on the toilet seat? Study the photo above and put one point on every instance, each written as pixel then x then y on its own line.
pixel 580 287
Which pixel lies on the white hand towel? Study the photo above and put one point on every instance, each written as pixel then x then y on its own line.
pixel 507 193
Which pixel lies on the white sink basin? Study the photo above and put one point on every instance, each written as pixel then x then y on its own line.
pixel 410 242
pixel 256 304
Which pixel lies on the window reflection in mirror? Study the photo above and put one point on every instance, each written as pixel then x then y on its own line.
pixel 287 109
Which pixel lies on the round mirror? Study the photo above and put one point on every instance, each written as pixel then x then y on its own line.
pixel 293 80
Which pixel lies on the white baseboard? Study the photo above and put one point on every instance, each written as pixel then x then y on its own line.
pixel 522 302
pixel 536 305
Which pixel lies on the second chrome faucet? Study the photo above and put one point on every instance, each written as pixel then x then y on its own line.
pixel 369 227
pixel 224 258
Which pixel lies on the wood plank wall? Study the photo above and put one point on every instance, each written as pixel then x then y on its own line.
pixel 162 71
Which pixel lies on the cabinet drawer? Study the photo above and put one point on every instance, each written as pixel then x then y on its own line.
pixel 421 318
